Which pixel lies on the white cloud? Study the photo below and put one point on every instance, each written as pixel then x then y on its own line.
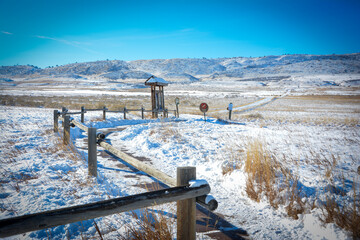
pixel 7 33
pixel 71 43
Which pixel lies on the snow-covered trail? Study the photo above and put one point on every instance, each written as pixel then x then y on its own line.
pixel 256 104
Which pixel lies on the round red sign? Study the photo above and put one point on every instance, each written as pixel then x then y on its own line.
pixel 204 107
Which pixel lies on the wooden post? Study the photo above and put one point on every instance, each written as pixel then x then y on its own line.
pixel 92 148
pixel 124 112
pixel 56 121
pixel 82 113
pixel 230 108
pixel 142 112
pixel 186 209
pixel 63 109
pixel 66 122
pixel 153 101
pixel 162 97
pixel 177 110
pixel 104 113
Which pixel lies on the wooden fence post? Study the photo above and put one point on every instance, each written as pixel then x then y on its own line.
pixel 142 112
pixel 124 112
pixel 104 113
pixel 63 109
pixel 82 113
pixel 186 209
pixel 66 123
pixel 92 148
pixel 56 121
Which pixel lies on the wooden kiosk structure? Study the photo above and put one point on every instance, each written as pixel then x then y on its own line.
pixel 157 94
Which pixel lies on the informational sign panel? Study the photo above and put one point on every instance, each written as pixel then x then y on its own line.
pixel 204 107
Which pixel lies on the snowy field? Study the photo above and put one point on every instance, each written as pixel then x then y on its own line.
pixel 312 145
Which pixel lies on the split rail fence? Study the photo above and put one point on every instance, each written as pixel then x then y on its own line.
pixel 186 195
pixel 124 111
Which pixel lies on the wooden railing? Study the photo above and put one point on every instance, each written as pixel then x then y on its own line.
pixel 124 111
pixel 62 216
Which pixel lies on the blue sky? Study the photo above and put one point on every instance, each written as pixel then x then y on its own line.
pixel 52 32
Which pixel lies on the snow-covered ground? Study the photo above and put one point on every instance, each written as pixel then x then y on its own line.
pixel 37 173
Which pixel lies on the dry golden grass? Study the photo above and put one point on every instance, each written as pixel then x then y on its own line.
pixel 327 98
pixel 267 177
pixel 345 216
pixel 261 169
pixel 149 226
pixel 75 102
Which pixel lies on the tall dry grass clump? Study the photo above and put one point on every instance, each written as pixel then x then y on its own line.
pixel 261 169
pixel 345 216
pixel 267 177
pixel 149 226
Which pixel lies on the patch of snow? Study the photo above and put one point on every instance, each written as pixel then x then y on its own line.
pixel 197 183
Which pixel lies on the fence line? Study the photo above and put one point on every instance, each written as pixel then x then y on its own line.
pixel 207 201
pixel 186 210
pixel 83 110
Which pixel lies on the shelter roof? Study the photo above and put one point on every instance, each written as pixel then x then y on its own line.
pixel 155 81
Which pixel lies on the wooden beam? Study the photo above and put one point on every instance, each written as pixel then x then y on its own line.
pixel 53 218
pixel 92 152
pixel 140 165
pixel 82 114
pixel 186 209
pixel 104 112
pixel 79 125
pixel 66 137
pixel 56 121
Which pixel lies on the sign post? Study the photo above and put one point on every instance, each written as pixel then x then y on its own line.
pixel 177 102
pixel 204 108
pixel 230 108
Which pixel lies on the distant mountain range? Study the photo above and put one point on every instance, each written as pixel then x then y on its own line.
pixel 191 70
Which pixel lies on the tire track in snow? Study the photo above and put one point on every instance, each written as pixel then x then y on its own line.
pixel 255 105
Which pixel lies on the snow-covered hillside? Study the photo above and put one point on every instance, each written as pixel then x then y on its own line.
pixel 237 67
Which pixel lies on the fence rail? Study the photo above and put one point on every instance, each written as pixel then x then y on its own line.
pixel 53 218
pixel 83 110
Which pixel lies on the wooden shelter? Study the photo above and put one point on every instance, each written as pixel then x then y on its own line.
pixel 157 94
